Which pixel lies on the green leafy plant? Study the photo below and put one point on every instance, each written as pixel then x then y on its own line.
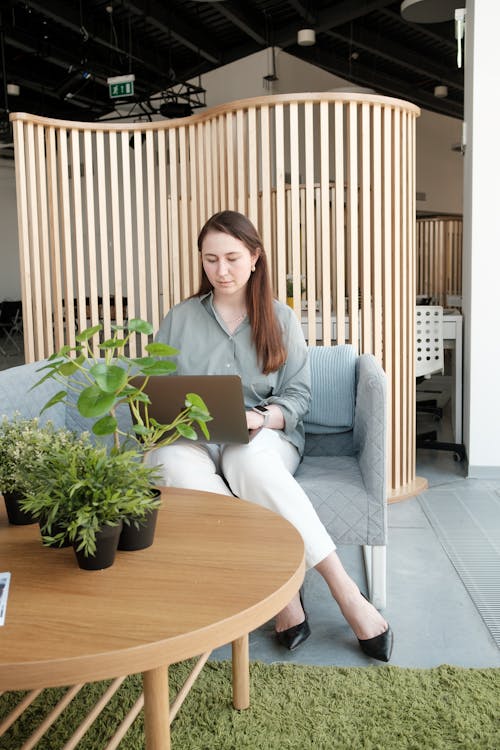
pixel 289 285
pixel 24 445
pixel 104 377
pixel 81 487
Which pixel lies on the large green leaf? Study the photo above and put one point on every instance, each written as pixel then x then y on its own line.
pixel 162 367
pixel 105 426
pixel 56 399
pixel 161 350
pixel 71 366
pixel 93 402
pixel 109 378
pixel 192 399
pixel 112 344
pixel 136 325
pixel 187 431
pixel 89 332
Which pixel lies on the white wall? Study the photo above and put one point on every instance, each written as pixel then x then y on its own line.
pixel 10 282
pixel 482 242
pixel 438 168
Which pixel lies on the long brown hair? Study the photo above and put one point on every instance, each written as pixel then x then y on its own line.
pixel 267 335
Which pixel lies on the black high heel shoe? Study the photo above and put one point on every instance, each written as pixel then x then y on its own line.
pixel 297 634
pixel 380 646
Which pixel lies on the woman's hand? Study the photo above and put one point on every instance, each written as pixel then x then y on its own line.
pixel 275 421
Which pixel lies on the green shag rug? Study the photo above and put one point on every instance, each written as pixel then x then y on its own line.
pixel 293 706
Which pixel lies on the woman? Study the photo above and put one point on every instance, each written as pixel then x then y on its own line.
pixel 234 326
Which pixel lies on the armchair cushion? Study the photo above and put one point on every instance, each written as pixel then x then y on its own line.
pixel 333 389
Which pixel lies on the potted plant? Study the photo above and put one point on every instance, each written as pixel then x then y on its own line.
pixel 83 493
pixel 289 289
pixel 23 442
pixel 103 383
pixel 98 380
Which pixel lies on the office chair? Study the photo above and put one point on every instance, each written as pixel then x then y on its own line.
pixel 429 360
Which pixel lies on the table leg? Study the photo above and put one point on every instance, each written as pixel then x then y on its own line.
pixel 241 673
pixel 156 709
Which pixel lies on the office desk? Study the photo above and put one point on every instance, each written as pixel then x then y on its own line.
pixel 219 567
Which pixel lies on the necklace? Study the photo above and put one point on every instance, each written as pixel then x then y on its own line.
pixel 233 320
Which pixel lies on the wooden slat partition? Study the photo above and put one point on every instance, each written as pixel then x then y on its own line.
pixel 439 258
pixel 109 214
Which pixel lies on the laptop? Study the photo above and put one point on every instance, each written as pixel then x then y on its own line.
pixel 222 394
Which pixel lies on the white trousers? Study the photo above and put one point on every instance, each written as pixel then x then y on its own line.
pixel 260 471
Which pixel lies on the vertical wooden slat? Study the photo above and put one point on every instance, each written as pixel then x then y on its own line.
pixel 405 337
pixel 23 235
pixel 207 135
pixel 352 227
pixel 265 218
pixel 309 223
pixel 253 183
pixel 326 299
pixel 222 158
pixel 90 232
pixel 388 360
pixel 214 162
pixel 152 290
pixel 280 202
pixel 202 190
pixel 116 231
pixel 43 231
pixel 174 218
pixel 365 260
pixel 411 157
pixel 340 259
pixel 396 298
pixel 103 232
pixel 164 252
pixel 69 310
pixel 377 233
pixel 79 259
pixel 187 288
pixel 231 184
pixel 54 239
pixel 295 207
pixel 241 161
pixel 34 242
pixel 194 220
pixel 139 282
pixel 127 255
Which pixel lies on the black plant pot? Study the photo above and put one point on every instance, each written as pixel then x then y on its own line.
pixel 138 537
pixel 106 544
pixel 15 514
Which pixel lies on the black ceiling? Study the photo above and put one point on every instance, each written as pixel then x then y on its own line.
pixel 61 52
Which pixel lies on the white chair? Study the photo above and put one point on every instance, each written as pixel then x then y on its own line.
pixel 429 360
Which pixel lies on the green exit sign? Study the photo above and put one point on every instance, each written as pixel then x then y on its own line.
pixel 121 86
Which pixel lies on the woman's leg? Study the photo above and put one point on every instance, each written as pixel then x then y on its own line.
pixel 261 472
pixel 193 466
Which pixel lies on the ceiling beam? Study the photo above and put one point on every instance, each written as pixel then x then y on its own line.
pixel 389 49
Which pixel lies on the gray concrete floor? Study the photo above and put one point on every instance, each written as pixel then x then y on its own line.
pixel 430 611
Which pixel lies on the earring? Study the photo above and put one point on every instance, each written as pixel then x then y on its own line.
pixel 253 269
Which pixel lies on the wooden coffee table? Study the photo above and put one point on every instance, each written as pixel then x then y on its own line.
pixel 219 568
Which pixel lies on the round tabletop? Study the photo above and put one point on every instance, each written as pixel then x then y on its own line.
pixel 219 567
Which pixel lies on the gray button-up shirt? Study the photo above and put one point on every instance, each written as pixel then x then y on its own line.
pixel 207 348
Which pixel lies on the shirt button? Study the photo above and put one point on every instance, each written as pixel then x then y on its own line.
pixel 228 364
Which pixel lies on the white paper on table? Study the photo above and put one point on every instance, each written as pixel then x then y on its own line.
pixel 4 593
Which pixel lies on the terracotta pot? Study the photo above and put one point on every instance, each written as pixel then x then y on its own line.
pixel 16 516
pixel 106 544
pixel 134 538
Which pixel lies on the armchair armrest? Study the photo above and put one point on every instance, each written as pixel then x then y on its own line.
pixel 370 425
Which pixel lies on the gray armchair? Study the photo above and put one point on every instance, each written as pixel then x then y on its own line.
pixel 344 467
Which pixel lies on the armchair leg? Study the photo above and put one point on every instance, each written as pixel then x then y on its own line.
pixel 376 574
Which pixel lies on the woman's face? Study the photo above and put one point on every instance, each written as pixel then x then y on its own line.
pixel 227 263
